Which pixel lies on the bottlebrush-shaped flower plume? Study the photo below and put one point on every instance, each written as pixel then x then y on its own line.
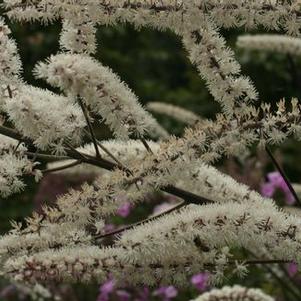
pixel 235 293
pixel 102 90
pixel 272 43
pixel 13 165
pixel 10 64
pixel 78 37
pixel 175 112
pixel 44 117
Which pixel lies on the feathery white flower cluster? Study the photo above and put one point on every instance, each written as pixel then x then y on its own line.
pixel 62 226
pixel 127 153
pixel 202 179
pixel 233 136
pixel 273 43
pixel 230 13
pixel 44 117
pixel 13 165
pixel 162 169
pixel 10 64
pixel 77 210
pixel 182 156
pixel 60 243
pixel 218 67
pixel 235 293
pixel 202 232
pixel 210 183
pixel 102 90
pixel 175 112
pixel 87 264
pixel 78 38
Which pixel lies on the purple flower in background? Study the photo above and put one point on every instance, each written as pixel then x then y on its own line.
pixel 143 294
pixel 123 295
pixel 108 286
pixel 103 297
pixel 167 292
pixel 292 269
pixel 109 228
pixel 268 189
pixel 200 281
pixel 105 290
pixel 124 209
pixel 276 181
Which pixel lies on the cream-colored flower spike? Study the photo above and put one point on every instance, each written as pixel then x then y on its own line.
pixel 273 43
pixel 78 37
pixel 207 235
pixel 253 226
pixel 45 117
pixel 10 64
pixel 229 13
pixel 13 165
pixel 217 66
pixel 235 293
pixel 175 112
pixel 102 90
pixel 127 152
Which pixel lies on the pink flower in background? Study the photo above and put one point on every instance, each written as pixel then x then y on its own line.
pixel 276 181
pixel 267 189
pixel 105 290
pixel 109 228
pixel 167 292
pixel 292 269
pixel 102 297
pixel 124 209
pixel 200 281
pixel 108 286
pixel 143 294
pixel 123 295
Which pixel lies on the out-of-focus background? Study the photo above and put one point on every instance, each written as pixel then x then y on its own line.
pixel 155 66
